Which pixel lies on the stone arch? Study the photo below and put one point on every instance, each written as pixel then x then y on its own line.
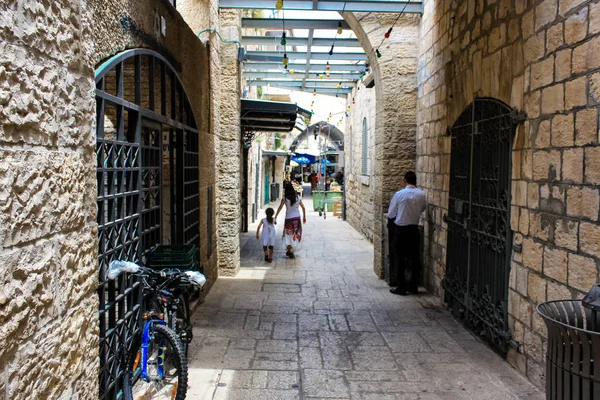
pixel 335 134
pixel 395 77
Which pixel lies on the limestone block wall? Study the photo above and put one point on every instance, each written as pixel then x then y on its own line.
pixel 48 273
pixel 229 147
pixel 542 57
pixel 121 25
pixel 359 186
pixel 394 124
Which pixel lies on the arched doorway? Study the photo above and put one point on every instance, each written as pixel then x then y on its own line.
pixel 479 234
pixel 148 180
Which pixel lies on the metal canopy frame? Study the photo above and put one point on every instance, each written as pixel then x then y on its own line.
pixel 307 54
pixel 383 6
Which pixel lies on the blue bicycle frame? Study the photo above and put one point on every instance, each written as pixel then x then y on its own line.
pixel 146 344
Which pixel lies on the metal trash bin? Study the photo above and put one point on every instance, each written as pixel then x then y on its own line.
pixel 573 350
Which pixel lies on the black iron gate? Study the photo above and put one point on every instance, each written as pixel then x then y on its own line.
pixel 147 155
pixel 479 234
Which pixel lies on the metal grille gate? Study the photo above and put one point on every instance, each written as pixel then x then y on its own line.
pixel 146 140
pixel 479 234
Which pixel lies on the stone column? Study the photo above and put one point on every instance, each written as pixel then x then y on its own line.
pixel 229 147
pixel 395 107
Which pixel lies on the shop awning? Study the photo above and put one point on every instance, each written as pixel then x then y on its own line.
pixel 270 116
pixel 275 153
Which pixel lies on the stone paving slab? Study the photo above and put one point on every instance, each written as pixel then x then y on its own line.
pixel 323 326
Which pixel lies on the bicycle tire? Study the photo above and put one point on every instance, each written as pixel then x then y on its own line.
pixel 181 324
pixel 132 384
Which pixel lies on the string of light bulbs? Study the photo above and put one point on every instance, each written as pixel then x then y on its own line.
pixel 389 31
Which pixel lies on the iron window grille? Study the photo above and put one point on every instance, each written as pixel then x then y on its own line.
pixel 147 139
pixel 365 147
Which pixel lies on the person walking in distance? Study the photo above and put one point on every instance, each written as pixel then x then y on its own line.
pixel 292 229
pixel 405 209
pixel 268 235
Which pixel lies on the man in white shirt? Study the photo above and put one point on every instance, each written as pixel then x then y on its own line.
pixel 405 210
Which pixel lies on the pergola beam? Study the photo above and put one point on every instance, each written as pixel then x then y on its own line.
pixel 297 55
pixel 334 76
pixel 299 41
pixel 384 6
pixel 276 23
pixel 298 83
pixel 302 67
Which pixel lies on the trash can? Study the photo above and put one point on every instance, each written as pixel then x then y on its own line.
pixel 331 196
pixel 573 351
pixel 317 197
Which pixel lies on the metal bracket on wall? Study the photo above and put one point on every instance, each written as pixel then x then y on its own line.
pixel 517 116
pixel 517 248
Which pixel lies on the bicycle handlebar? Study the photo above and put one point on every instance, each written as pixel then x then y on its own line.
pixel 117 267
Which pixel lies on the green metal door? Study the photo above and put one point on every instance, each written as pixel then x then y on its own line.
pixel 267 183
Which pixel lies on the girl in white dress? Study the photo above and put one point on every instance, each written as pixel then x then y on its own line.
pixel 268 236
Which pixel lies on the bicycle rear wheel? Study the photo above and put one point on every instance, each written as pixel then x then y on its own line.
pixel 165 349
pixel 179 321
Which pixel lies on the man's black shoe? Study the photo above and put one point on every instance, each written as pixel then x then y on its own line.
pixel 399 292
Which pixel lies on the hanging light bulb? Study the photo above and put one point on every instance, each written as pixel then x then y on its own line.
pixel 339 30
pixel 387 34
pixel 329 115
pixel 331 50
pixel 378 53
pixel 347 115
pixel 314 92
pixel 328 75
pixel 339 85
pixel 279 4
pixel 336 95
pixel 328 67
pixel 321 76
pixel 285 59
pixel 353 102
pixel 292 71
pixel 366 67
pixel 283 41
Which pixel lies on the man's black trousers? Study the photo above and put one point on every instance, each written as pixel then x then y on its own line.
pixel 406 242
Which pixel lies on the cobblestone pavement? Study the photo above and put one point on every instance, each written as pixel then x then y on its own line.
pixel 323 326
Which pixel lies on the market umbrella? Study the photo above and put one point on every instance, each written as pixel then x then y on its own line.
pixel 294 163
pixel 301 160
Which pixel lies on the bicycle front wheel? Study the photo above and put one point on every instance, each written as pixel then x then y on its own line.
pixel 166 368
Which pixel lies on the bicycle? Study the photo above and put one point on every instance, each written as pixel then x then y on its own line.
pixel 156 364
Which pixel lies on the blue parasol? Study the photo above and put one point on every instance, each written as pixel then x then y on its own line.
pixel 325 161
pixel 301 160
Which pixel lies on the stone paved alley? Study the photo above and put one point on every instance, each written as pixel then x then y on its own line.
pixel 322 326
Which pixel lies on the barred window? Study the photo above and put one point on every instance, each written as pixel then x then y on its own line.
pixel 365 148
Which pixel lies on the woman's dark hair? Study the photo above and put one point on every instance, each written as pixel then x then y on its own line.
pixel 269 211
pixel 290 193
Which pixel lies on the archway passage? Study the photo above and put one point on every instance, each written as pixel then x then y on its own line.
pixel 479 234
pixel 147 174
pixel 334 136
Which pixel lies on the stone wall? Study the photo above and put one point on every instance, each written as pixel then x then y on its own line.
pixel 48 274
pixel 359 186
pixel 542 57
pixel 395 107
